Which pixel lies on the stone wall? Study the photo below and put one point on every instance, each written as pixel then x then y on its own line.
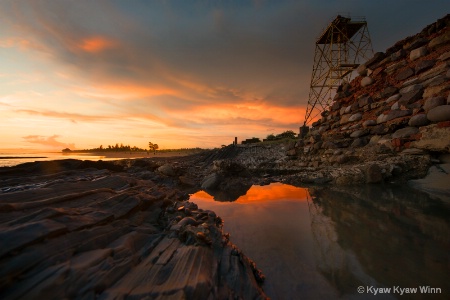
pixel 399 104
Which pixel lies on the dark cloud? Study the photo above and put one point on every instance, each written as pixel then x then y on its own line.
pixel 180 55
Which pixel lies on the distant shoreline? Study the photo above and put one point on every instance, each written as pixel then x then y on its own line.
pixel 19 157
pixel 128 154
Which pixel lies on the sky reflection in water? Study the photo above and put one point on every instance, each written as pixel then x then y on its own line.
pixel 325 243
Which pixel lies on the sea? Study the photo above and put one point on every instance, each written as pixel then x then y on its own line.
pixel 8 159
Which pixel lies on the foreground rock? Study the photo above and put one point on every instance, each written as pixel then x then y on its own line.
pixel 123 231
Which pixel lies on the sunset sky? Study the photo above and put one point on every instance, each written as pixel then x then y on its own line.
pixel 80 74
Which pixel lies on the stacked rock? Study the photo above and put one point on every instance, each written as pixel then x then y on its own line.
pixel 400 101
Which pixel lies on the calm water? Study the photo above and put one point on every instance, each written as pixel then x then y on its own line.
pixel 323 244
pixel 13 159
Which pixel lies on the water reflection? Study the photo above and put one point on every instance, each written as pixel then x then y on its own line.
pixel 324 243
pixel 398 236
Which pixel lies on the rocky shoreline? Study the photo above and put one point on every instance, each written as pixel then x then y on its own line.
pixel 125 228
pixel 80 229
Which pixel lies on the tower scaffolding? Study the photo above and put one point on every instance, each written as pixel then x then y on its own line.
pixel 342 46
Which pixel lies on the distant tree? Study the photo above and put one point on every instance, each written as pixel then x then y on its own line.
pixel 287 134
pixel 101 147
pixel 153 147
pixel 271 137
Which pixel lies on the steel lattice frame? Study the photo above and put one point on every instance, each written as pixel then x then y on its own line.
pixel 339 50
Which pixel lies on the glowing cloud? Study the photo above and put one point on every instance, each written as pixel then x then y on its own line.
pixel 95 44
pixel 49 141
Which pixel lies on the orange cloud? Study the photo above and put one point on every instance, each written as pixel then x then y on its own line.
pixel 264 113
pixel 95 44
pixel 21 43
pixel 49 141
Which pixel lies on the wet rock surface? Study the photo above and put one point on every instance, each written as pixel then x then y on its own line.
pixel 126 231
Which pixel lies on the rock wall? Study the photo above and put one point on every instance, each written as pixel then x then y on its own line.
pixel 390 122
pixel 399 101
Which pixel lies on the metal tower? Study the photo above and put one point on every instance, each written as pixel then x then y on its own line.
pixel 343 45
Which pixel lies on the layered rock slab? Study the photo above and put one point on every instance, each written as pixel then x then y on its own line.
pixel 126 241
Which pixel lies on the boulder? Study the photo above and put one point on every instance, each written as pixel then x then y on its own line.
pixel 377 57
pixel 329 145
pixel 408 72
pixel 382 118
pixel 393 114
pixel 411 88
pixel 361 70
pixel 433 138
pixel 412 151
pixel 368 123
pixel 187 181
pixel 396 66
pixel 417 53
pixel 397 55
pixel 345 119
pixel 424 65
pixel 432 91
pixel 410 97
pixel 433 102
pixel 358 133
pixel 359 142
pixel 365 100
pixel 340 159
pixel 323 128
pixel 419 120
pixel 374 139
pixel 211 181
pixel 373 174
pixel 366 81
pixel 389 91
pixel 167 170
pixel 335 106
pixel 393 98
pixel 438 80
pixel 348 109
pixel 231 167
pixel 355 117
pixel 378 129
pixel 405 132
pixel 291 152
pixel 354 107
pixel 439 114
pixel 433 72
pixel 442 39
pixel 415 43
pixel 444 56
pixel 317 145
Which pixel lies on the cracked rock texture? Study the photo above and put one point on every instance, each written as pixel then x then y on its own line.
pixel 123 232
